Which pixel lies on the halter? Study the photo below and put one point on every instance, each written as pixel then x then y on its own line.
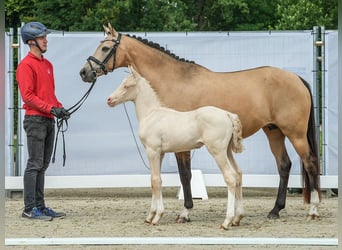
pixel 102 64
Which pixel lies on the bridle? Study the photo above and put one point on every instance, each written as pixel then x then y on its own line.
pixel 112 53
pixel 74 108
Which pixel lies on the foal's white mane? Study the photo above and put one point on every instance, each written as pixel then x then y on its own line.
pixel 146 102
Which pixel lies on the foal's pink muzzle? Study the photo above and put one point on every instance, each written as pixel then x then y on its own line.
pixel 110 102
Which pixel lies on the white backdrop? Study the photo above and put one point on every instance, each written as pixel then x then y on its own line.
pixel 331 101
pixel 99 140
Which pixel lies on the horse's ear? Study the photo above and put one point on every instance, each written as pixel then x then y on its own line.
pixel 110 30
pixel 106 29
pixel 133 72
pixel 130 68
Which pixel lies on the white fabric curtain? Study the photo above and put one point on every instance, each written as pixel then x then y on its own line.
pixel 331 101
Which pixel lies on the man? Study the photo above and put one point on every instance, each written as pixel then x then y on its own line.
pixel 37 88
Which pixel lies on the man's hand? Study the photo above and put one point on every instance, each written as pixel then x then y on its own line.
pixel 60 113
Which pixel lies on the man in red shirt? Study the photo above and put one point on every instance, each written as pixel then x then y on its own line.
pixel 37 88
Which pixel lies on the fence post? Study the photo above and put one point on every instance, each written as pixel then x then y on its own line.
pixel 2 123
pixel 319 92
pixel 20 149
pixel 323 105
pixel 10 107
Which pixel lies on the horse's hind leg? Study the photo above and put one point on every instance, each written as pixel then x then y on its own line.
pixel 239 210
pixel 311 174
pixel 184 168
pixel 277 143
pixel 230 176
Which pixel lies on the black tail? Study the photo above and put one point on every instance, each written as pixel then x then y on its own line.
pixel 311 136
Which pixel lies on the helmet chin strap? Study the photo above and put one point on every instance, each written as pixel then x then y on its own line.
pixel 37 45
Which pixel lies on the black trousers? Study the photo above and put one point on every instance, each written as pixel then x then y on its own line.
pixel 40 132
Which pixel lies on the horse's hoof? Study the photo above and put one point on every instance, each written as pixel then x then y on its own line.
pixel 181 220
pixel 312 217
pixel 273 216
pixel 235 224
pixel 223 228
pixel 147 222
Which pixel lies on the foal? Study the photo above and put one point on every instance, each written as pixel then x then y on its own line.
pixel 164 130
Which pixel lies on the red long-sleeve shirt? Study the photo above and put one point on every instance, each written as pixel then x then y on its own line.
pixel 37 86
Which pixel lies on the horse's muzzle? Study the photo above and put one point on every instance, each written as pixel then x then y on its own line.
pixel 87 75
pixel 111 102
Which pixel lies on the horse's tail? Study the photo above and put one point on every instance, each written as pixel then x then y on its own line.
pixel 311 136
pixel 236 142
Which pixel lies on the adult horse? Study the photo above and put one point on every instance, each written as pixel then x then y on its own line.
pixel 268 98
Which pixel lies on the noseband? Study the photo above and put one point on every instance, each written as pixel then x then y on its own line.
pixel 102 64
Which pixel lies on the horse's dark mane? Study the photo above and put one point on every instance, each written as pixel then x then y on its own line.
pixel 160 48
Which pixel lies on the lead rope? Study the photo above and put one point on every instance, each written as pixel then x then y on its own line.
pixel 135 139
pixel 64 120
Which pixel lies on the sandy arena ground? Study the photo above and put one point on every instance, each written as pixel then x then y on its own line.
pixel 121 213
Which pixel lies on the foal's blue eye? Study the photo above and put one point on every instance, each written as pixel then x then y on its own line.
pixel 105 49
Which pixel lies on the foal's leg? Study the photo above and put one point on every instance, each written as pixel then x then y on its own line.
pixel 184 169
pixel 277 144
pixel 230 177
pixel 239 210
pixel 157 205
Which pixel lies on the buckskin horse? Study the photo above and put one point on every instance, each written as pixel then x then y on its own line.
pixel 163 130
pixel 277 101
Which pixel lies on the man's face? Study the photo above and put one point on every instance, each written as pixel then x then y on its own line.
pixel 41 42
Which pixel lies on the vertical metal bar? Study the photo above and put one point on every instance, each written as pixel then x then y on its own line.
pixel 20 148
pixel 339 114
pixel 316 83
pixel 10 107
pixel 324 108
pixel 2 121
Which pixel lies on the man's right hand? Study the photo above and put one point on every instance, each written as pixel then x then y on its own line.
pixel 60 113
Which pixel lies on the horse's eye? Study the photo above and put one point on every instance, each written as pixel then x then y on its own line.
pixel 105 49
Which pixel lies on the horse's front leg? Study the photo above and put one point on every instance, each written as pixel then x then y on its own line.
pixel 157 205
pixel 184 169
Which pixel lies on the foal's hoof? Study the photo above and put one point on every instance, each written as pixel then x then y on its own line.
pixel 223 228
pixel 147 222
pixel 181 220
pixel 236 221
pixel 236 224
pixel 312 217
